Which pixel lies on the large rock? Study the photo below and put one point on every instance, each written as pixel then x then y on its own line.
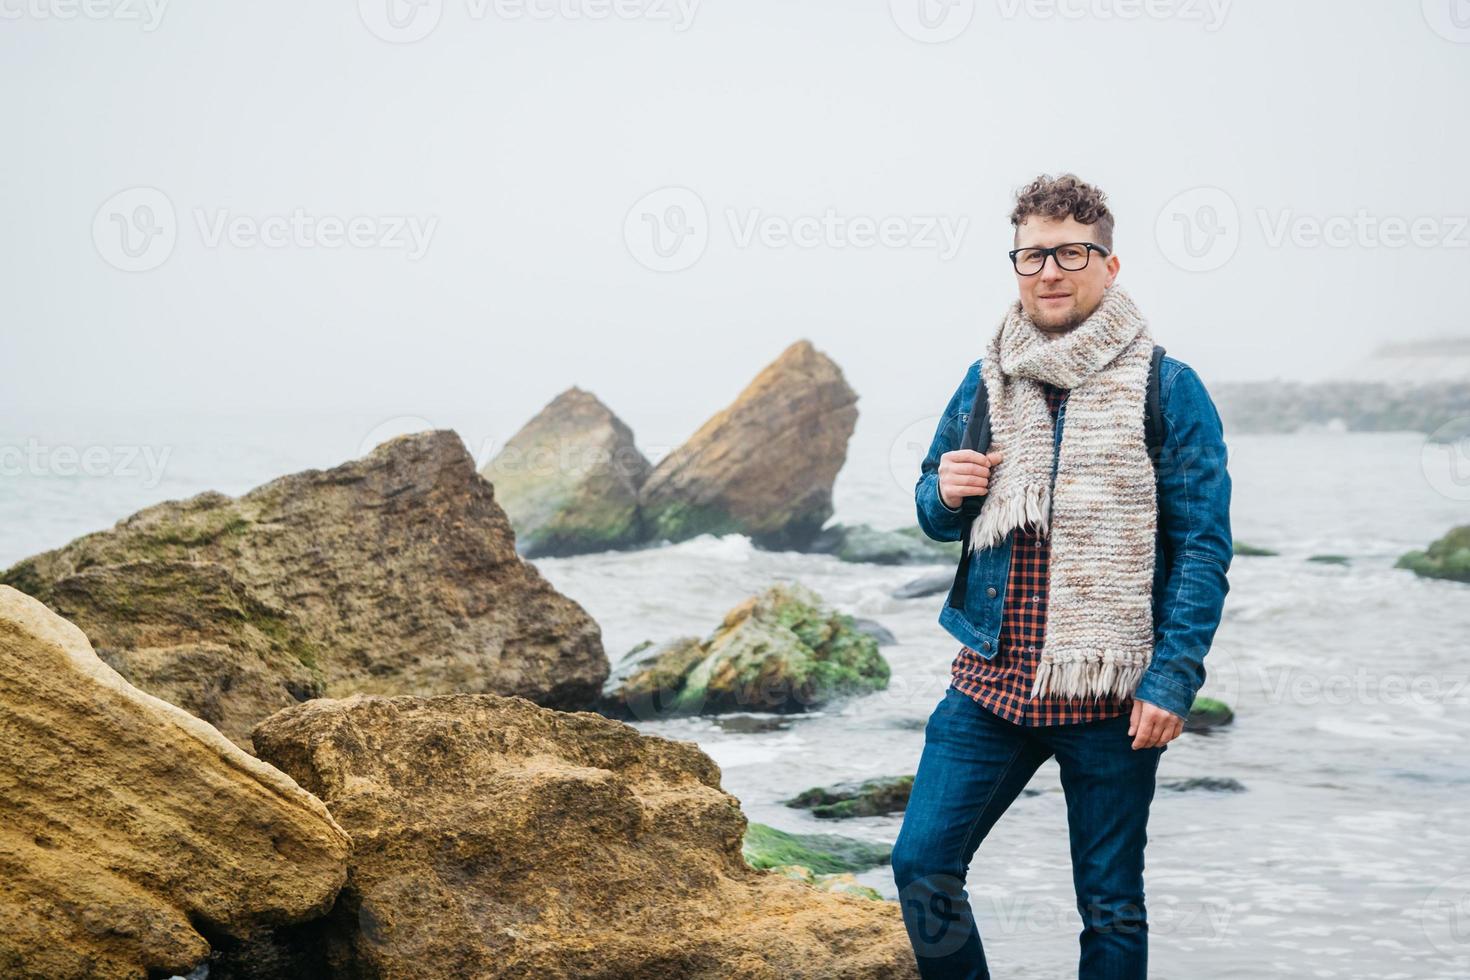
pixel 569 479
pixel 494 838
pixel 131 833
pixel 395 573
pixel 765 465
pixel 783 650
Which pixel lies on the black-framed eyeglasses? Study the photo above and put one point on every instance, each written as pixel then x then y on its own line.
pixel 1071 257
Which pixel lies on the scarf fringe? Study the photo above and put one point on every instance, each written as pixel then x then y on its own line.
pixel 1086 678
pixel 998 517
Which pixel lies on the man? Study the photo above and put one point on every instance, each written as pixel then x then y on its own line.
pixel 1094 589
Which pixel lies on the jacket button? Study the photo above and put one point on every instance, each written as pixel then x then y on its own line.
pixel 990 592
pixel 985 645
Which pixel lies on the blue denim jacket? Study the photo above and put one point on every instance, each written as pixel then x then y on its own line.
pixel 1191 555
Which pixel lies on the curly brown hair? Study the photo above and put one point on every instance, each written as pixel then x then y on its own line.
pixel 1062 197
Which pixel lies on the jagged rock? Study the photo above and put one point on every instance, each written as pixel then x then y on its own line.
pixel 925 585
pixel 781 651
pixel 765 465
pixel 751 724
pixel 1447 558
pixel 132 834
pixel 569 479
pixel 394 573
pixel 867 798
pixel 865 544
pixel 1214 784
pixel 496 838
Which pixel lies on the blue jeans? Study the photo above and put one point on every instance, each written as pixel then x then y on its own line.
pixel 973 765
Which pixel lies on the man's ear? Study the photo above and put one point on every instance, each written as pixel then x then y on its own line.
pixel 1113 265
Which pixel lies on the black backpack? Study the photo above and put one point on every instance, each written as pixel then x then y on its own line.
pixel 977 437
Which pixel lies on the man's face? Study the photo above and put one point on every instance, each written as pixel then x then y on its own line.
pixel 1054 299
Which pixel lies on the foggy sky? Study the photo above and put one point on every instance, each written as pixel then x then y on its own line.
pixel 523 137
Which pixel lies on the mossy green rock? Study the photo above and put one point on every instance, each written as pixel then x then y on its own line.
pixel 868 798
pixel 862 543
pixel 781 651
pixel 1207 713
pixel 1447 558
pixel 766 847
pixel 1329 559
pixel 1250 550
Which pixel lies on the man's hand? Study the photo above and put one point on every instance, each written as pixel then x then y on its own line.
pixel 1153 726
pixel 964 473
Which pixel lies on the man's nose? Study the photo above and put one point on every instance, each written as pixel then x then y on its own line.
pixel 1051 269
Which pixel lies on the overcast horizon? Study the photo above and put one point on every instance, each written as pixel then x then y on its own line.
pixel 478 205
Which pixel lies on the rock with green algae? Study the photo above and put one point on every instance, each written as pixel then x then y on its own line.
pixel 766 847
pixel 1447 558
pixel 867 798
pixel 393 573
pixel 781 651
pixel 862 543
pixel 1251 550
pixel 1207 713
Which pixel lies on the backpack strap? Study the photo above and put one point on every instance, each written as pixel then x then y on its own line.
pixel 1153 415
pixel 977 437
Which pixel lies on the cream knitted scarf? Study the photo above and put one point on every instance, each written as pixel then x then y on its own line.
pixel 1101 515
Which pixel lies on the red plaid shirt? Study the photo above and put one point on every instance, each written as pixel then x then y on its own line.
pixel 1003 684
